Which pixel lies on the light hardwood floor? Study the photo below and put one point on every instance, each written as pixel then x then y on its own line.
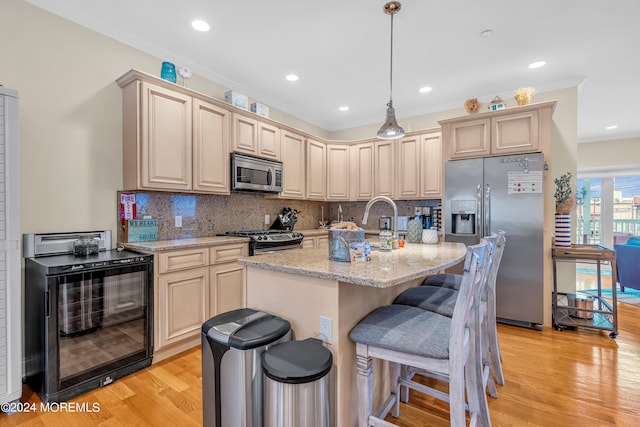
pixel 568 378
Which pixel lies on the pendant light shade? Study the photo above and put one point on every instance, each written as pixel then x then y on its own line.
pixel 390 128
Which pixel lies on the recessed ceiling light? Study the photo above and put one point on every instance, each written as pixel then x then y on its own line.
pixel 611 127
pixel 292 77
pixel 200 25
pixel 343 108
pixel 424 89
pixel 537 64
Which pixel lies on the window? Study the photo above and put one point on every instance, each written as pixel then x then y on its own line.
pixel 607 210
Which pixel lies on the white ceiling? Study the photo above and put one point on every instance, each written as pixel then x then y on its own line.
pixel 341 52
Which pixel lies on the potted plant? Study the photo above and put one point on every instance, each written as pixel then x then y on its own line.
pixel 564 205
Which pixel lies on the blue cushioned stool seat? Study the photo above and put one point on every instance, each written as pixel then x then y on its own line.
pixel 440 300
pixel 445 280
pixel 405 329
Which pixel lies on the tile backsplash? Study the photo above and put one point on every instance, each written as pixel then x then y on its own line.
pixel 209 215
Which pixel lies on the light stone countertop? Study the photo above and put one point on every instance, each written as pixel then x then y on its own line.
pixel 170 245
pixel 385 269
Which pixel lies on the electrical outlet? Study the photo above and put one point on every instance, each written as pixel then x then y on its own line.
pixel 178 221
pixel 326 328
pixel 267 219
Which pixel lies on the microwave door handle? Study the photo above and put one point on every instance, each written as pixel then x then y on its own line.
pixel 270 177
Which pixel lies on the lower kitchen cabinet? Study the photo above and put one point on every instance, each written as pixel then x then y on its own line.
pixel 320 241
pixel 193 285
pixel 182 305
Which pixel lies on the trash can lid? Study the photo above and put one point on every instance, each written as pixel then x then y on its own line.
pixel 297 362
pixel 245 328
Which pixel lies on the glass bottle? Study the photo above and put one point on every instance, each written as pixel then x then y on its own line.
pixel 386 240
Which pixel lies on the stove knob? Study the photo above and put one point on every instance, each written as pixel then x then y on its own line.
pixel 259 237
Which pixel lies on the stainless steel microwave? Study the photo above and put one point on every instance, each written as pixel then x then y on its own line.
pixel 249 173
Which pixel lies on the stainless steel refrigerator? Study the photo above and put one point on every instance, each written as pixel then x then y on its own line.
pixel 489 194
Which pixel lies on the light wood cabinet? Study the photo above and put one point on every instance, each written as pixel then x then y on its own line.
pixel 419 166
pixel 320 241
pixel 173 141
pixel 253 136
pixel 511 131
pixel 337 172
pixel 316 170
pixel 182 305
pixel 227 279
pixel 293 164
pixel 408 164
pixel 362 169
pixel 157 138
pixel 384 168
pixel 210 148
pixel 193 285
pixel 431 162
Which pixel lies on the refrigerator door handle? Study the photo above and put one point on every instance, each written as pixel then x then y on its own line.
pixel 478 212
pixel 487 211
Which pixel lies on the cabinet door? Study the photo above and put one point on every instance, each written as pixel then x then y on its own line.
pixel 468 139
pixel 515 133
pixel 293 159
pixel 337 172
pixel 322 242
pixel 430 165
pixel 408 164
pixel 384 176
pixel 316 170
pixel 245 134
pixel 309 242
pixel 226 288
pixel 210 148
pixel 165 144
pixel 362 160
pixel 182 304
pixel 268 141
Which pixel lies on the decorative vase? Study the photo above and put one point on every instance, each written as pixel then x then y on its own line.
pixel 168 72
pixel 414 230
pixel 563 230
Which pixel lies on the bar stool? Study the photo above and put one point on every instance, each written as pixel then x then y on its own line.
pixel 445 346
pixel 441 300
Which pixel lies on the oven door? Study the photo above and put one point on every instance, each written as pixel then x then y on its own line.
pixel 96 322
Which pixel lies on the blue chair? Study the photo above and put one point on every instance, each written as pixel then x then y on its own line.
pixel 628 264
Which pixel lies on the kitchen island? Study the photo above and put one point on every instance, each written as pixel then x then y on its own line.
pixel 303 285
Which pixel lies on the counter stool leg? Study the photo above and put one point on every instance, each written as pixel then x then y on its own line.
pixel 364 384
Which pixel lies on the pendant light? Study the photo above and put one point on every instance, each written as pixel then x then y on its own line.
pixel 391 129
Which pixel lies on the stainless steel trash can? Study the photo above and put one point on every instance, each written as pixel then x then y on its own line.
pixel 296 384
pixel 232 346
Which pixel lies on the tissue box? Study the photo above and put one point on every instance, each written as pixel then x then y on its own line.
pixel 237 99
pixel 260 109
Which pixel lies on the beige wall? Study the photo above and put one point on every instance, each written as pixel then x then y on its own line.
pixel 609 158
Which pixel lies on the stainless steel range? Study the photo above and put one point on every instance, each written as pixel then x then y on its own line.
pixel 266 241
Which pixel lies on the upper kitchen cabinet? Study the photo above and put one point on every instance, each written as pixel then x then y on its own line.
pixel 384 168
pixel 419 166
pixel 293 165
pixel 210 148
pixel 511 131
pixel 157 149
pixel 173 139
pixel 316 170
pixel 362 167
pixel 337 172
pixel 252 136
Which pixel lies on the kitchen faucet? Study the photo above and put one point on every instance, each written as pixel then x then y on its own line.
pixel 395 215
